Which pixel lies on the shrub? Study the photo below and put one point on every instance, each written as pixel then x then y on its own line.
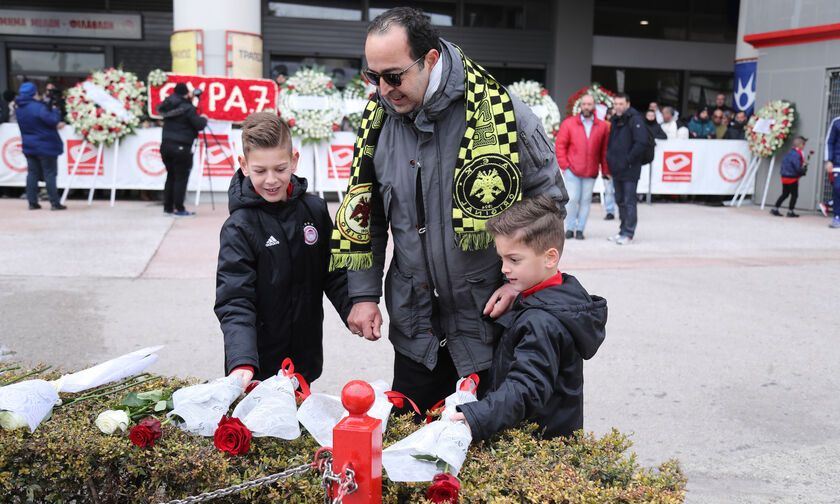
pixel 68 460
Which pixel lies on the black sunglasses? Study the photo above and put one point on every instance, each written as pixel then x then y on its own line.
pixel 393 79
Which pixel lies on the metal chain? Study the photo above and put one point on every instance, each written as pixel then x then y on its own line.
pixel 346 485
pixel 265 480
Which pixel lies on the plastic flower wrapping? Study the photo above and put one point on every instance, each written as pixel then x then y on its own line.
pixel 602 97
pixel 311 105
pixel 533 94
pixel 355 97
pixel 106 106
pixel 768 129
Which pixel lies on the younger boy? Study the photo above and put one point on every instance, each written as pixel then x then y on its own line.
pixel 274 261
pixel 537 369
pixel 793 167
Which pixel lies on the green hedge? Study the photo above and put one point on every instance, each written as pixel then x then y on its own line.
pixel 68 460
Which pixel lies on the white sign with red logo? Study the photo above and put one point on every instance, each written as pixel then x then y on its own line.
pixel 221 158
pixel 222 98
pixel 87 158
pixel 149 160
pixel 676 166
pixel 12 155
pixel 732 167
pixel 340 156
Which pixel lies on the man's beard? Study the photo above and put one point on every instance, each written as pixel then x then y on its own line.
pixel 586 115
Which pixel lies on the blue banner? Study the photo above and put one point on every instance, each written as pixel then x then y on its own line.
pixel 744 96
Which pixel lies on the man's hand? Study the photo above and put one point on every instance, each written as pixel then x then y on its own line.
pixel 365 320
pixel 460 416
pixel 829 166
pixel 245 374
pixel 60 125
pixel 501 301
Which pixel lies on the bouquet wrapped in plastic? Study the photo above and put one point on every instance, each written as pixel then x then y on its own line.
pixel 201 406
pixel 270 409
pixel 440 446
pixel 108 371
pixel 26 403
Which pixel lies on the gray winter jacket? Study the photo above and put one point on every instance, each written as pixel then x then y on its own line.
pixel 428 141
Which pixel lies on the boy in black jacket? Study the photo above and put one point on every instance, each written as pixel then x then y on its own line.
pixel 537 370
pixel 274 261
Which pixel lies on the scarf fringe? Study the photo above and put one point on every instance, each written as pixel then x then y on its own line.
pixel 351 261
pixel 475 240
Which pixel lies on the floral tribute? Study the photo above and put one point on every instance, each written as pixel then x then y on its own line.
pixel 602 96
pixel 779 116
pixel 106 106
pixel 156 77
pixel 232 436
pixel 357 89
pixel 533 94
pixel 310 104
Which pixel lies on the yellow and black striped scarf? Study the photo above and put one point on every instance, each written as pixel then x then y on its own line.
pixel 487 175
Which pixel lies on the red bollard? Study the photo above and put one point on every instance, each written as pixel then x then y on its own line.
pixel 357 440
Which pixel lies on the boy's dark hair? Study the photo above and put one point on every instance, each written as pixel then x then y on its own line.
pixel 536 222
pixel 799 140
pixel 622 95
pixel 422 36
pixel 264 130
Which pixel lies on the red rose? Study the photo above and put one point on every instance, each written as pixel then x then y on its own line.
pixel 544 92
pixel 291 122
pixel 785 111
pixel 291 87
pixel 329 85
pixel 98 127
pixel 145 433
pixel 251 386
pixel 232 436
pixel 444 489
pixel 84 132
pixel 335 127
pixel 127 105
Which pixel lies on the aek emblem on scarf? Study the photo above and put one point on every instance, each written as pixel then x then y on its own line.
pixel 487 186
pixel 355 209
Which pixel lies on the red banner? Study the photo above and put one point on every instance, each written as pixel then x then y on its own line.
pixel 222 98
pixel 221 159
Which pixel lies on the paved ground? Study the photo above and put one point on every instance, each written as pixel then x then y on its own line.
pixel 721 346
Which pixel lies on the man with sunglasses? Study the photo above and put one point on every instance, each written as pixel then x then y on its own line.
pixel 442 148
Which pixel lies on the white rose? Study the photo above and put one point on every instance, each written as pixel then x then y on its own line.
pixel 109 420
pixel 9 420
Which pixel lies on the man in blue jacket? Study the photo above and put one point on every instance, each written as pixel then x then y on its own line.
pixel 832 165
pixel 41 144
pixel 625 147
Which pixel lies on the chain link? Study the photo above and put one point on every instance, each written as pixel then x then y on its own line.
pixel 346 485
pixel 265 480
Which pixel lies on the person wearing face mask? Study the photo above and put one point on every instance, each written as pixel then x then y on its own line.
pixel 581 149
pixel 442 148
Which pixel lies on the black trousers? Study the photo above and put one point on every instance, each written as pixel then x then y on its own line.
pixel 791 190
pixel 178 165
pixel 426 387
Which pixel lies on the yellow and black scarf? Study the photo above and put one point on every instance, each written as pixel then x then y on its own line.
pixel 487 175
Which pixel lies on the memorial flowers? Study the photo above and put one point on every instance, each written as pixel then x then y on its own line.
pixel 310 104
pixel 533 94
pixel 355 96
pixel 106 106
pixel 145 433
pixel 768 129
pixel 110 420
pixel 232 436
pixel 602 96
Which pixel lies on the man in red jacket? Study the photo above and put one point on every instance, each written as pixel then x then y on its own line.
pixel 581 148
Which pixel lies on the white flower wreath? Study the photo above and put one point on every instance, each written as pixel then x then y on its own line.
pixel 106 106
pixel 355 97
pixel 778 118
pixel 533 94
pixel 310 104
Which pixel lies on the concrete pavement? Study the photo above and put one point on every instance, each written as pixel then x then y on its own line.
pixel 720 344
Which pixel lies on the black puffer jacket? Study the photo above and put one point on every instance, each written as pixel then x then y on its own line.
pixel 181 123
pixel 627 142
pixel 272 275
pixel 537 371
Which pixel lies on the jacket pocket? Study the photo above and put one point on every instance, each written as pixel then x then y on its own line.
pixel 407 302
pixel 482 284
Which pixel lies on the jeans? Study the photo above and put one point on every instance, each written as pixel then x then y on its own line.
pixel 178 166
pixel 609 196
pixel 580 197
pixel 836 186
pixel 45 167
pixel 625 196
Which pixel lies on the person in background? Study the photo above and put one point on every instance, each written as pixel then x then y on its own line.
pixel 720 123
pixel 700 126
pixel 581 148
pixel 181 124
pixel 9 98
pixel 736 127
pixel 720 102
pixel 606 178
pixel 625 148
pixel 41 144
pixel 653 127
pixel 655 107
pixel 832 166
pixel 793 167
pixel 673 130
